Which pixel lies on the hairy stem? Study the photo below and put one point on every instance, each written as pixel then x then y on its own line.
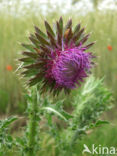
pixel 33 113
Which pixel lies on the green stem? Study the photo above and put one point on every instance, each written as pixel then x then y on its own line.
pixel 33 114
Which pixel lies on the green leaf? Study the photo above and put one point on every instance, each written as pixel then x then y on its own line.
pixel 98 123
pixel 101 122
pixel 10 139
pixel 8 121
pixel 20 141
pixel 66 115
pixel 55 112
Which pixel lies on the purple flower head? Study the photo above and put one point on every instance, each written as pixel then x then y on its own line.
pixel 57 60
pixel 69 67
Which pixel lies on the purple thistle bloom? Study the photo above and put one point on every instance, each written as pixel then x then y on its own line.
pixel 58 60
pixel 69 67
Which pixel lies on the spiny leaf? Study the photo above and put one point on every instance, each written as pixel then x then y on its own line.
pixel 8 121
pixel 55 112
pixel 101 122
pixel 66 115
pixel 20 141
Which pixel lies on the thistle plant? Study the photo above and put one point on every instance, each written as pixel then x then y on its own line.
pixel 54 62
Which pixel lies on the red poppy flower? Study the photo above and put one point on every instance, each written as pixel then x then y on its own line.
pixel 109 47
pixel 9 68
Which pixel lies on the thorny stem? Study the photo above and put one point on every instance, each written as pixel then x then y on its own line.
pixel 33 113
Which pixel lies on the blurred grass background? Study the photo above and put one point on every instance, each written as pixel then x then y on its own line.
pixel 15 28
